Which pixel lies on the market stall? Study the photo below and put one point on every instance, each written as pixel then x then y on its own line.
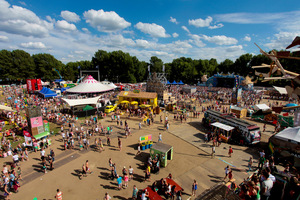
pixel 223 130
pixel 164 152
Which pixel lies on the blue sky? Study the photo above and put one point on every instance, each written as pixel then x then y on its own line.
pixel 168 29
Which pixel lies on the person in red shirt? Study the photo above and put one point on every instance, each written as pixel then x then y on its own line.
pixel 230 151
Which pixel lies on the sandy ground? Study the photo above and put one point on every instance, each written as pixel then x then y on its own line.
pixel 191 161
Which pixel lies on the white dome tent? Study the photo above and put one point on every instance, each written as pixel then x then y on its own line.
pixel 90 85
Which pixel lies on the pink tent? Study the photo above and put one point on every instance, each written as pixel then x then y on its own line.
pixel 90 85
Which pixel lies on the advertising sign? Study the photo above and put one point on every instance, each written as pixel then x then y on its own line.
pixel 36 121
pixel 145 138
pixel 46 126
pixel 29 86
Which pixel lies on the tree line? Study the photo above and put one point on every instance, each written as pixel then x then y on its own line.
pixel 118 66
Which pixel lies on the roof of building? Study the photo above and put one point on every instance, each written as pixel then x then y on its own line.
pixel 144 95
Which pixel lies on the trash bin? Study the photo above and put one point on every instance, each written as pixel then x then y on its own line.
pixel 147 145
pixel 143 146
pixel 150 144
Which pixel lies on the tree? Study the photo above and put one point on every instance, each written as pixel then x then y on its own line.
pixel 23 65
pixel 225 66
pixel 6 65
pixel 241 65
pixel 45 65
pixel 156 64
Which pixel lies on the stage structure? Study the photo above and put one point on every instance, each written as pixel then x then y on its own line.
pixel 227 81
pixel 88 72
pixel 157 82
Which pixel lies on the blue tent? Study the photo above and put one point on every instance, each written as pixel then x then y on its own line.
pixel 174 83
pixel 43 90
pixel 168 82
pixel 290 105
pixel 180 83
pixel 49 93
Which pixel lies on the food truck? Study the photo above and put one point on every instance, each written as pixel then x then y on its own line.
pixel 245 132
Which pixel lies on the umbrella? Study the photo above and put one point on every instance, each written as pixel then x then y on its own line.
pixel 88 107
pixel 124 101
pixel 134 103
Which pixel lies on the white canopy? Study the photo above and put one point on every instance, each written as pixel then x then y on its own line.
pixel 77 102
pixel 289 134
pixel 222 126
pixel 109 84
pixel 6 108
pixel 90 85
pixel 281 90
pixel 261 107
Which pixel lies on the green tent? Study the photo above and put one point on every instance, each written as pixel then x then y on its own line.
pixel 88 107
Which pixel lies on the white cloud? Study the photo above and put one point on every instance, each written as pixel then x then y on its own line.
pixel 18 20
pixel 284 21
pixel 173 20
pixel 23 3
pixel 105 21
pixel 220 39
pixel 33 45
pixel 65 26
pixel 201 22
pixel 175 35
pixel 196 40
pixel 185 28
pixel 281 40
pixel 85 30
pixel 3 38
pixel 216 26
pixel 142 43
pixel 247 38
pixel 69 16
pixel 152 29
pixel 234 48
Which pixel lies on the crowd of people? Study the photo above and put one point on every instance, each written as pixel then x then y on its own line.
pixel 78 136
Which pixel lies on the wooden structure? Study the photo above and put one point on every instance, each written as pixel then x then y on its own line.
pixel 164 152
pixel 238 111
pixel 157 83
pixel 149 98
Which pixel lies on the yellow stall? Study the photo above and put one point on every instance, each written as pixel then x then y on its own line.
pixel 147 98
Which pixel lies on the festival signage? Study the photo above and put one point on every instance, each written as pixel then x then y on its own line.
pixel 46 126
pixel 145 138
pixel 36 121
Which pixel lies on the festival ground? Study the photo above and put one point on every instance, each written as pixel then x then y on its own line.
pixel 191 161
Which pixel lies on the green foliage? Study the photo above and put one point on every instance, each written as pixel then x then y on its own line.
pixel 118 66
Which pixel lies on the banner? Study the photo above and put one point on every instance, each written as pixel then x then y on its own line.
pixel 145 138
pixel 36 121
pixel 28 141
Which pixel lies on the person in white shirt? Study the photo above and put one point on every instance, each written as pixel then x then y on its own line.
pixel 16 158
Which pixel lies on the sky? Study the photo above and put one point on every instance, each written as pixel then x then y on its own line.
pixel 200 29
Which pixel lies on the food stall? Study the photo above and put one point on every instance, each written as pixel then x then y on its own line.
pixel 164 152
pixel 223 130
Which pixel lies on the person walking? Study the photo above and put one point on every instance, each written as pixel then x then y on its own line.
pixel 107 197
pixel 134 192
pixel 87 167
pixel 159 137
pixel 227 170
pixel 250 163
pixel 194 188
pixel 119 144
pixel 139 149
pixel 230 151
pixel 213 151
pixel 58 195
pixel 119 181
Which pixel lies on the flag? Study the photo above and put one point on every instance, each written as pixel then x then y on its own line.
pixel 163 68
pixel 148 68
